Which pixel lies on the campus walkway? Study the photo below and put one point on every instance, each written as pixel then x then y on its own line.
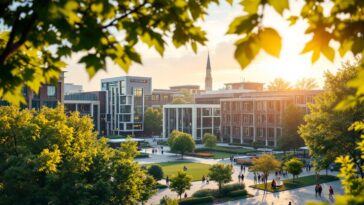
pixel 296 196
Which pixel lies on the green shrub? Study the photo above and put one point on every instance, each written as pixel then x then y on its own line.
pixel 197 200
pixel 236 193
pixel 156 171
pixel 204 193
pixel 232 187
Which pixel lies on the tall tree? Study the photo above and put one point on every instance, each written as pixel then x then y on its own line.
pixel 221 173
pixel 180 183
pixel 266 164
pixel 279 84
pixel 325 130
pixel 39 34
pixel 182 143
pixel 306 84
pixel 153 121
pixel 291 120
pixel 50 158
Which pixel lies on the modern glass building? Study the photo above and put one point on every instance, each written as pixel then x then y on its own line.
pixel 125 103
pixel 195 119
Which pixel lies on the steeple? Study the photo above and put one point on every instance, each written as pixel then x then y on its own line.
pixel 208 78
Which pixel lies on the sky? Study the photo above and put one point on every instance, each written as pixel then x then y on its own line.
pixel 182 66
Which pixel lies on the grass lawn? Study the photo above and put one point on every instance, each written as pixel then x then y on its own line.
pixel 196 170
pixel 297 183
pixel 224 152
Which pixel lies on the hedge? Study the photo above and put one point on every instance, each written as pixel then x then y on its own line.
pixel 238 193
pixel 204 193
pixel 200 154
pixel 197 200
pixel 161 186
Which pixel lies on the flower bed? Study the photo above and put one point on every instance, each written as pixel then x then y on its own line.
pixel 201 154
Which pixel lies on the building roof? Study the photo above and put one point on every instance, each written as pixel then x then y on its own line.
pixel 89 96
pixel 185 86
pixel 164 91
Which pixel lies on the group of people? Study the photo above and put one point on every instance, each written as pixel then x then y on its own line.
pixel 207 179
pixel 318 191
pixel 155 150
pixel 259 178
pixel 241 177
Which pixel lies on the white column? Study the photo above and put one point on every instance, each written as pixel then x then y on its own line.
pixel 194 122
pixel 164 122
pixel 177 118
pixel 241 135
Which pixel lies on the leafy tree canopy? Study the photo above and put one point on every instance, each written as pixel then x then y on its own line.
pixel 153 124
pixel 342 24
pixel 38 35
pixel 279 84
pixel 293 166
pixel 325 130
pixel 209 140
pixel 180 183
pixel 221 173
pixel 306 84
pixel 291 120
pixel 50 158
pixel 181 142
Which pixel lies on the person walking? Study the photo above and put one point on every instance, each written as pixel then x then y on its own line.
pixel 185 194
pixel 258 178
pixel 255 179
pixel 289 203
pixel 331 193
pixel 167 180
pixel 242 177
pixel 239 178
pixel 320 190
pixel 203 179
pixel 316 189
pixel 207 180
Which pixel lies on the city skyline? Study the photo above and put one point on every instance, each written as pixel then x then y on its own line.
pixel 190 67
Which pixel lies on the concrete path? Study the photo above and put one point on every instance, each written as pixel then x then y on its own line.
pixel 296 196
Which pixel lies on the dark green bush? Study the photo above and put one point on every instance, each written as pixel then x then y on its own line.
pixel 225 190
pixel 156 171
pixel 204 193
pixel 197 200
pixel 237 193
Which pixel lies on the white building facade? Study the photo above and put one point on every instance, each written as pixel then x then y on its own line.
pixel 195 119
pixel 125 104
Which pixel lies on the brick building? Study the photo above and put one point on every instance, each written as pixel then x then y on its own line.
pixel 257 116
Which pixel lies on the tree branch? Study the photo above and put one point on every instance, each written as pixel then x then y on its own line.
pixel 125 15
pixel 11 47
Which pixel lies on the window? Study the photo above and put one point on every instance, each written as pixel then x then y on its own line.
pixel 51 90
pixel 138 92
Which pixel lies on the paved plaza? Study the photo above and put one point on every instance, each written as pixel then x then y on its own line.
pixel 296 196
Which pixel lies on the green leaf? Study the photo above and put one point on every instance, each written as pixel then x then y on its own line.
pixel 315 55
pixel 279 5
pixel 246 49
pixel 93 64
pixel 194 46
pixel 250 6
pixel 329 53
pixel 345 47
pixel 270 41
pixel 243 24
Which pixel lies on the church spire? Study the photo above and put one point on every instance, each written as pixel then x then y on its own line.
pixel 208 78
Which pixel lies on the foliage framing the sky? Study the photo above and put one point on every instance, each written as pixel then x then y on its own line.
pixel 39 34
